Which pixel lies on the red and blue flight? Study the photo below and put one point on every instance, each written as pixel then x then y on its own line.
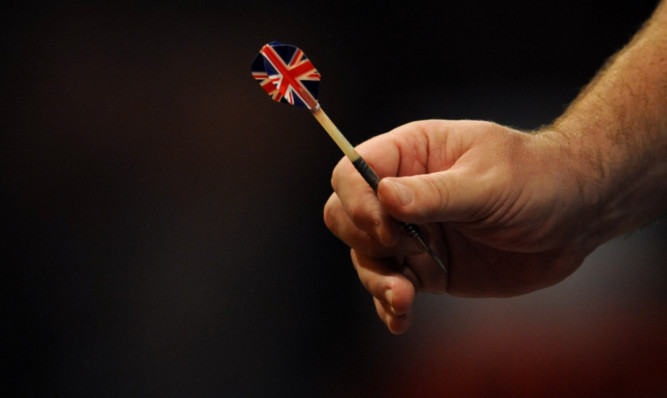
pixel 287 75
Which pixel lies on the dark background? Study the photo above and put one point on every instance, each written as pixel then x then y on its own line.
pixel 161 221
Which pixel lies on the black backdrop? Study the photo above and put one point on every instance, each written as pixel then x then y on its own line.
pixel 161 218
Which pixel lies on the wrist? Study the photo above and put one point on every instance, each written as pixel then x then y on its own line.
pixel 620 189
pixel 579 172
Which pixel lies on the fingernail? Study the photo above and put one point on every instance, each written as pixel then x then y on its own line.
pixel 377 229
pixel 404 193
pixel 389 296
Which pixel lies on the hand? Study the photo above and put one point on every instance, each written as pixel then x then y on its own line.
pixel 504 209
pixel 510 212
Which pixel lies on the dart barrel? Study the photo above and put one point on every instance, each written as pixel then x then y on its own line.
pixel 367 172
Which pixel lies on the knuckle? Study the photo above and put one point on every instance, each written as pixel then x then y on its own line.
pixel 362 215
pixel 436 199
pixel 329 214
pixel 442 190
pixel 338 174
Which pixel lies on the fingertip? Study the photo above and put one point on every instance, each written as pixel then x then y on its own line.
pixel 400 296
pixel 399 299
pixel 397 324
pixel 403 194
pixel 397 194
pixel 400 198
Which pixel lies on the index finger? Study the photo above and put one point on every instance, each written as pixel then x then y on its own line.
pixel 361 204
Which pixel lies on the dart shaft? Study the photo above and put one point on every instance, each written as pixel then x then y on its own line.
pixel 367 173
pixel 359 163
pixel 335 134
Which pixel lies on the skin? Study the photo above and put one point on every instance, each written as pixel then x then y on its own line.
pixel 508 211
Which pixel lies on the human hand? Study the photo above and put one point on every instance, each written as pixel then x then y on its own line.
pixel 504 209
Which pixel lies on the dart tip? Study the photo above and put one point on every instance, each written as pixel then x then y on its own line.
pixel 437 259
pixel 430 252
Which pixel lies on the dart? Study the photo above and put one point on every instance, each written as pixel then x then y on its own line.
pixel 288 76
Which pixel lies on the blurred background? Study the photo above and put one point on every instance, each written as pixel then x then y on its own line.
pixel 162 230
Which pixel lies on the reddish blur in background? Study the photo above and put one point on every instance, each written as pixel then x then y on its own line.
pixel 161 220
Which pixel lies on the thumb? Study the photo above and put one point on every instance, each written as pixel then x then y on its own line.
pixel 435 197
